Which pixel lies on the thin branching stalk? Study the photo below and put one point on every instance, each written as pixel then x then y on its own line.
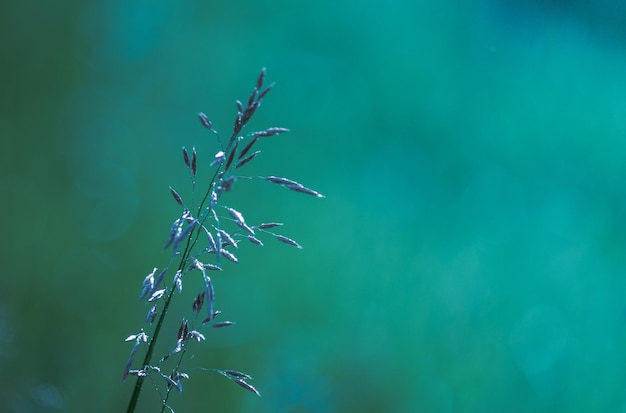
pixel 187 230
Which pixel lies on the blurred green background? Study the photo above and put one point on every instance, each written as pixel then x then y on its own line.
pixel 469 255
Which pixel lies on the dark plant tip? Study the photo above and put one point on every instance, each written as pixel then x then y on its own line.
pixel 227 237
pixel 210 293
pixel 186 157
pixel 304 190
pixel 175 230
pixel 260 79
pixel 247 159
pixel 229 255
pixel 280 181
pixel 176 196
pixel 198 302
pixel 252 97
pixel 247 148
pixel 205 121
pixel 270 132
pixel 236 374
pixel 268 225
pixel 134 349
pixel 238 124
pixel 231 155
pixel 247 114
pixel 265 92
pixel 194 163
pixel 183 330
pixel 254 240
pixel 183 234
pixel 222 324
pixel 159 279
pixel 247 386
pixel 287 241
pixel 246 227
pixel 129 364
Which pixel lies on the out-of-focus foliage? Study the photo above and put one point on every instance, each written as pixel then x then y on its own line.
pixel 470 255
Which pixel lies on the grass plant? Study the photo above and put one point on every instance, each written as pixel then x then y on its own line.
pixel 203 240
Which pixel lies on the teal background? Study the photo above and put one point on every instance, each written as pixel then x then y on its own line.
pixel 469 255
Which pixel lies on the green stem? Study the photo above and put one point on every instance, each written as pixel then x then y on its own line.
pixel 190 244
